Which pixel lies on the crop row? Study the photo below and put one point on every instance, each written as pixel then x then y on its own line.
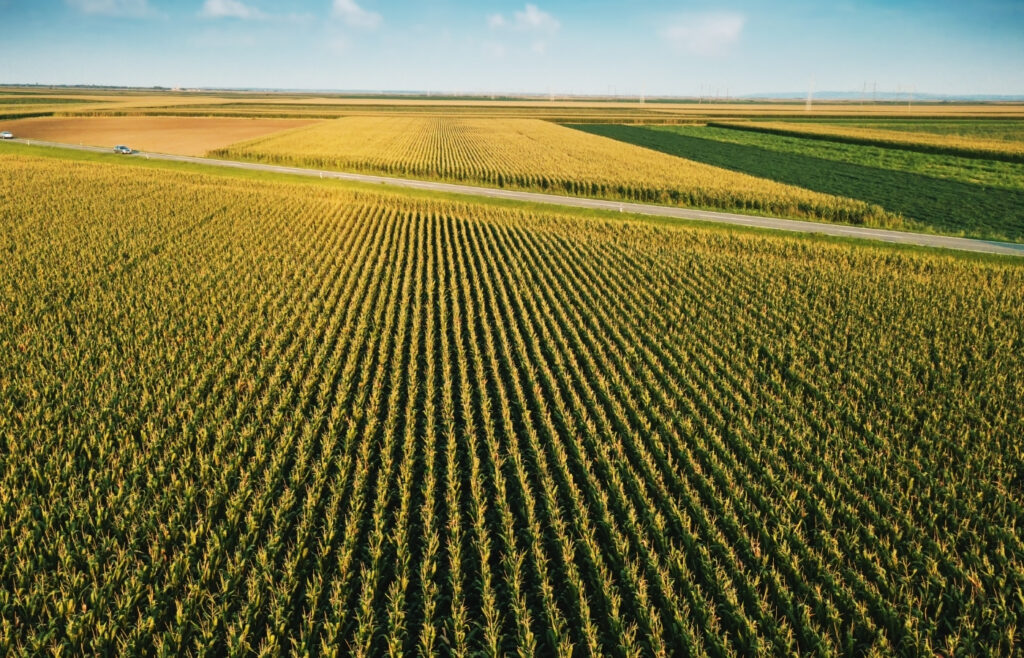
pixel 1006 129
pixel 924 142
pixel 537 155
pixel 974 171
pixel 283 418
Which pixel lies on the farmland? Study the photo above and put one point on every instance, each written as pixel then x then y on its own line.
pixel 68 102
pixel 253 416
pixel 537 155
pixel 180 135
pixel 933 192
pixel 949 143
pixel 974 171
pixel 1008 130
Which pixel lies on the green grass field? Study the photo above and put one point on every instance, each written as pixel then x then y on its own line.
pixel 944 194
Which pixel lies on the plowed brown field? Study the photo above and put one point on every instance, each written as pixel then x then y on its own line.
pixel 179 135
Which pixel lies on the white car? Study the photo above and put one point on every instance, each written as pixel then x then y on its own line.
pixel 6 135
pixel 123 150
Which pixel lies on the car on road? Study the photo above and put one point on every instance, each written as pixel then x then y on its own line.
pixel 6 135
pixel 123 150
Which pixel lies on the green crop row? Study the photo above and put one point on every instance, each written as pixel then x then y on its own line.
pixel 992 128
pixel 983 174
pixel 970 146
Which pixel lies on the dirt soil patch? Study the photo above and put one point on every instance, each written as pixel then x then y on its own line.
pixel 178 135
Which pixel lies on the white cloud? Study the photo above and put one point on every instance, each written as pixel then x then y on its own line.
pixel 534 19
pixel 354 15
pixel 231 9
pixel 705 34
pixel 532 22
pixel 531 19
pixel 131 8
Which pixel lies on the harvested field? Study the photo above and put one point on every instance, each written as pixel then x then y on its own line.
pixel 179 135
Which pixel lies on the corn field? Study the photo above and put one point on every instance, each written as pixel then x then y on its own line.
pixel 244 417
pixel 537 155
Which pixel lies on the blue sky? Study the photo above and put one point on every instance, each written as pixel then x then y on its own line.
pixel 600 46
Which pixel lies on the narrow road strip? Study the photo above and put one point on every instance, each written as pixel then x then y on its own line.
pixel 840 230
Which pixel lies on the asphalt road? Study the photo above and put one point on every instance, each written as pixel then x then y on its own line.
pixel 883 235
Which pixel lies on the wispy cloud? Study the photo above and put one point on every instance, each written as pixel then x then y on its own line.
pixel 533 21
pixel 231 9
pixel 128 8
pixel 530 19
pixel 216 9
pixel 706 34
pixel 353 15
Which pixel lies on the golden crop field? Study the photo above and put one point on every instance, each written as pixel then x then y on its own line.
pixel 254 416
pixel 561 112
pixel 536 155
pixel 179 135
pixel 928 142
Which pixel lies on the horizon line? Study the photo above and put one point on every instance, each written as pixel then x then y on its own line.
pixel 834 95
